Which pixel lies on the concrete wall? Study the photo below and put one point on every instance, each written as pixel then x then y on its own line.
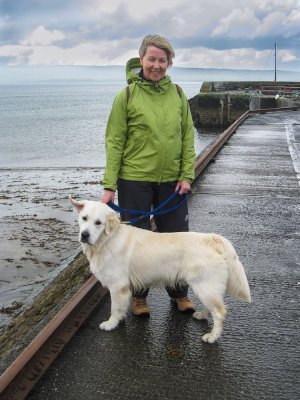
pixel 218 110
pixel 219 104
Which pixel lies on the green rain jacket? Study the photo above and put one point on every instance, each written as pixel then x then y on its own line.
pixel 150 133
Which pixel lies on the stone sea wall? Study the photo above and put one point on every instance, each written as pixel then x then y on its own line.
pixel 219 104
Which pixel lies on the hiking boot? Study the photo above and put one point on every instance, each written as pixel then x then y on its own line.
pixel 139 307
pixel 184 304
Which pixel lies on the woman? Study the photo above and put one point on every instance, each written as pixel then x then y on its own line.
pixel 150 150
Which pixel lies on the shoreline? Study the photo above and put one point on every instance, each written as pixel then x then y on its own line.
pixel 38 234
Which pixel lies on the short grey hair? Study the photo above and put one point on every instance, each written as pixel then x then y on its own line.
pixel 161 43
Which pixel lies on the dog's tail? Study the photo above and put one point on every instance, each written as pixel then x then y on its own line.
pixel 237 284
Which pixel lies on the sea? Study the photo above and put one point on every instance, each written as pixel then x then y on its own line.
pixel 59 125
pixel 52 144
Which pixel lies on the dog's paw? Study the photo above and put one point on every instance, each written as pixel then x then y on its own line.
pixel 108 325
pixel 209 338
pixel 201 314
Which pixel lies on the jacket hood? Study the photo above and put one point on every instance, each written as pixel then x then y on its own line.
pixel 133 68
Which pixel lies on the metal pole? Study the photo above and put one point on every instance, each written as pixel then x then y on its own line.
pixel 275 77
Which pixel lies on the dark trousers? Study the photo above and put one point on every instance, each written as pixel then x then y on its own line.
pixel 142 196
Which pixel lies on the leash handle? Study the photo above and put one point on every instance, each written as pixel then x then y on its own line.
pixel 155 211
pixel 138 212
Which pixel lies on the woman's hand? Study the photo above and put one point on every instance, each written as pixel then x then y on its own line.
pixel 108 195
pixel 184 187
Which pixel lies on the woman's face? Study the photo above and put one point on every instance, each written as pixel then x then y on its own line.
pixel 155 63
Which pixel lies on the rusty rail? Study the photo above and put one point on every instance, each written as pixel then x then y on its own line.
pixel 21 376
pixel 265 110
pixel 209 153
pixel 17 381
pixel 273 89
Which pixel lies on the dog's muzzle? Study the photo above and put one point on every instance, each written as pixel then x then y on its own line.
pixel 84 238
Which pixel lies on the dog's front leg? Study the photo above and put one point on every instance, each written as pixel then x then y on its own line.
pixel 120 299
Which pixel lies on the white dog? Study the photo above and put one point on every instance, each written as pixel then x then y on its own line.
pixel 122 256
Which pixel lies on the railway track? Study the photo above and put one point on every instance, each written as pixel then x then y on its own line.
pixel 21 376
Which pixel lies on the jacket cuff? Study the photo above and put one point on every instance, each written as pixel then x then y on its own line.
pixel 108 184
pixel 188 180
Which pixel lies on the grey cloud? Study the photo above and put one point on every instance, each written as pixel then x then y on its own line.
pixel 37 8
pixel 6 60
pixel 21 58
pixel 185 20
pixel 22 17
pixel 114 25
pixel 187 25
pixel 231 43
pixel 9 34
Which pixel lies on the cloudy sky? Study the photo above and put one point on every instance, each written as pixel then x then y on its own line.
pixel 205 33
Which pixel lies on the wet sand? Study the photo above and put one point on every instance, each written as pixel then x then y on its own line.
pixel 39 234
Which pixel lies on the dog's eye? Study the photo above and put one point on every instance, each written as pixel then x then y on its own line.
pixel 98 222
pixel 84 218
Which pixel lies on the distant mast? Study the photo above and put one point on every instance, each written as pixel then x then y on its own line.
pixel 275 63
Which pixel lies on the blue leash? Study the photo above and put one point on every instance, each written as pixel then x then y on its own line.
pixel 155 211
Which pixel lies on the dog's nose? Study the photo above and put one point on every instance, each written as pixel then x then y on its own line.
pixel 85 236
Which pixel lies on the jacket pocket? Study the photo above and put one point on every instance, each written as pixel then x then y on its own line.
pixel 133 147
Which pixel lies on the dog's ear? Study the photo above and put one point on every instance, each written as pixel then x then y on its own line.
pixel 111 223
pixel 77 204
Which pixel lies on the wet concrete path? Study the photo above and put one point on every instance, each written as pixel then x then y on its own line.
pixel 250 194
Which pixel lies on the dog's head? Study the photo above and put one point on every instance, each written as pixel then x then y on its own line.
pixel 94 219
